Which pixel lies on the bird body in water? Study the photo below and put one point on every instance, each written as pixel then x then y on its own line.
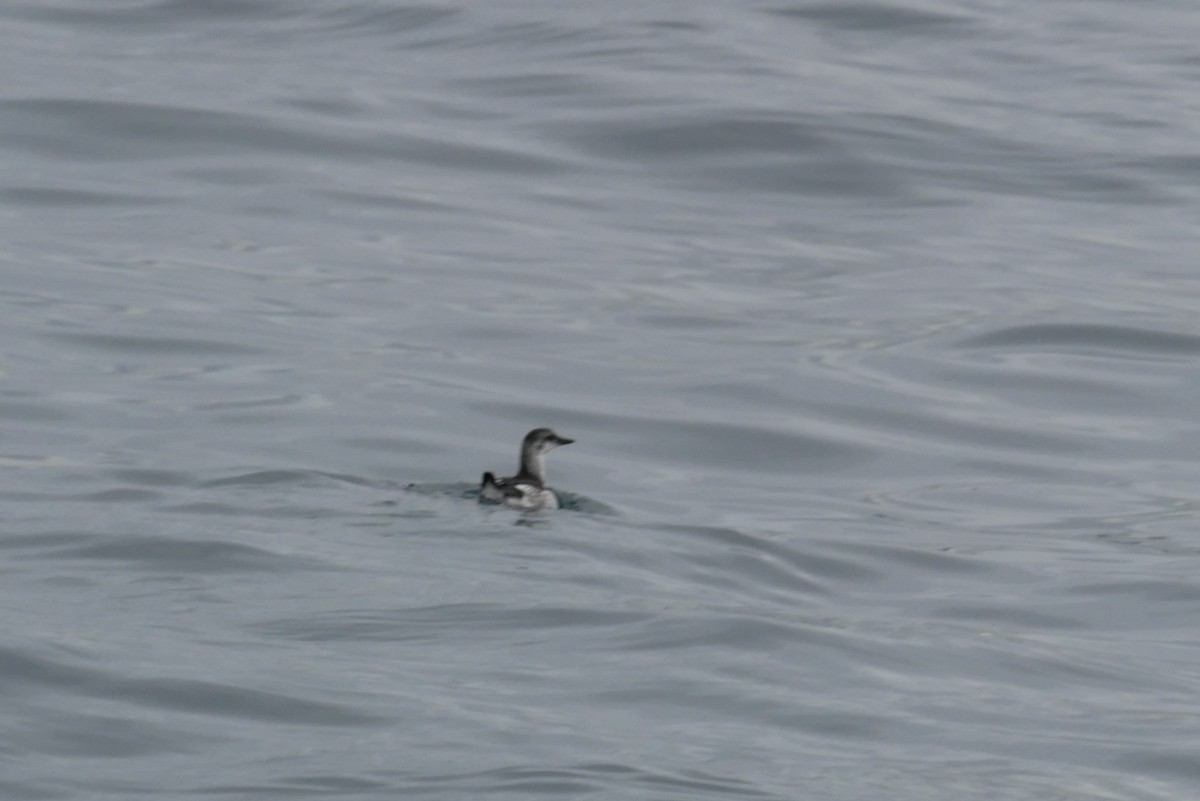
pixel 527 489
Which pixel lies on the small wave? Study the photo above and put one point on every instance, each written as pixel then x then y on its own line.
pixel 1091 336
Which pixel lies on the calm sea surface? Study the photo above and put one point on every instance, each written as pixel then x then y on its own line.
pixel 876 325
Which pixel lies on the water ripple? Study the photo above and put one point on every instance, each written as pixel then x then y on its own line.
pixel 862 16
pixel 174 556
pixel 184 695
pixel 157 345
pixel 1076 336
pixel 111 130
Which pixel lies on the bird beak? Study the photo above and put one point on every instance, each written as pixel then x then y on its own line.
pixel 564 440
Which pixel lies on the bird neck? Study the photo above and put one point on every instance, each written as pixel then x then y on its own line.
pixel 533 464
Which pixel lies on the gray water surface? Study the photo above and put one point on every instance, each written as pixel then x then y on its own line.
pixel 875 324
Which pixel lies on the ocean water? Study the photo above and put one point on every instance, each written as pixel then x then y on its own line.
pixel 875 324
